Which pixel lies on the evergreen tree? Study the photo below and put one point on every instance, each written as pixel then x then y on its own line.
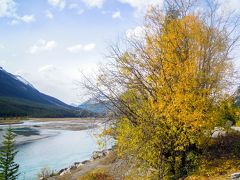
pixel 8 168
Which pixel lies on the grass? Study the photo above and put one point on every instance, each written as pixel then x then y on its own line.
pixel 109 159
pixel 220 159
pixel 221 168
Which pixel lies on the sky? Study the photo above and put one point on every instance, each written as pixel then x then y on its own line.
pixel 50 43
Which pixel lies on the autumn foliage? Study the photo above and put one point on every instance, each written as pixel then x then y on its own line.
pixel 167 90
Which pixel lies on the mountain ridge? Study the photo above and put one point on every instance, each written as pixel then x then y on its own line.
pixel 93 105
pixel 18 97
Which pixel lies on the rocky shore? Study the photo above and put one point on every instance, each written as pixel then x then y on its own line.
pixel 96 155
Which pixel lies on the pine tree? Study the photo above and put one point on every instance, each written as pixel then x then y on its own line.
pixel 8 168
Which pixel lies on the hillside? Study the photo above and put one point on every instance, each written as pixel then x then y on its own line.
pixel 19 98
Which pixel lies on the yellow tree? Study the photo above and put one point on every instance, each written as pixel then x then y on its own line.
pixel 166 90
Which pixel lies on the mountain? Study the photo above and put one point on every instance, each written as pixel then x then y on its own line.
pixel 93 105
pixel 19 98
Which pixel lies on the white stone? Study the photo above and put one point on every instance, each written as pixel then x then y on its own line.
pixel 235 176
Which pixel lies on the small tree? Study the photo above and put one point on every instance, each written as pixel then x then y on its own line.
pixel 8 168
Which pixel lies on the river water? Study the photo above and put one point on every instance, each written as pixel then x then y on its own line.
pixel 61 149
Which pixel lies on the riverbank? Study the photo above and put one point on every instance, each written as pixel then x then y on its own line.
pixel 72 124
pixel 31 130
pixel 10 121
pixel 104 160
pixel 219 160
pixel 13 121
pixel 53 143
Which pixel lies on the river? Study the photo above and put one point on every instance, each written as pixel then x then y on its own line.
pixel 56 150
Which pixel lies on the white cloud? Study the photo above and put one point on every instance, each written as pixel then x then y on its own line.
pixel 49 15
pixel 42 45
pixel 116 15
pixel 60 4
pixel 76 7
pixel 57 81
pixel 141 4
pixel 47 68
pixel 81 47
pixel 27 18
pixel 7 8
pixel 138 33
pixel 94 3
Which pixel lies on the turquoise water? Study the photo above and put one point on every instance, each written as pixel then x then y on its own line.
pixel 56 152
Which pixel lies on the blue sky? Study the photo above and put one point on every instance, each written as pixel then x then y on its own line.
pixel 50 42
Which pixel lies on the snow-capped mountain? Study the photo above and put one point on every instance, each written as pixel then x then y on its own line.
pixel 17 95
pixel 94 106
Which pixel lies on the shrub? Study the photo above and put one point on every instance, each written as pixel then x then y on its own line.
pixel 98 174
pixel 45 173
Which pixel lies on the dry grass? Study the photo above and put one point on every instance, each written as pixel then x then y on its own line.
pixel 109 159
pixel 221 168
pixel 65 177
pixel 98 174
pixel 10 121
pixel 220 159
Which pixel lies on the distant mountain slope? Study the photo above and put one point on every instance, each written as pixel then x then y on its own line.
pixel 17 87
pixel 96 107
pixel 19 98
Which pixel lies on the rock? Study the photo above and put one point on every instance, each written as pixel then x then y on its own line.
pixel 235 176
pixel 72 167
pixel 236 128
pixel 65 172
pixel 218 131
pixel 97 155
pixel 79 165
pixel 62 173
pixel 59 172
pixel 85 162
pixel 105 152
